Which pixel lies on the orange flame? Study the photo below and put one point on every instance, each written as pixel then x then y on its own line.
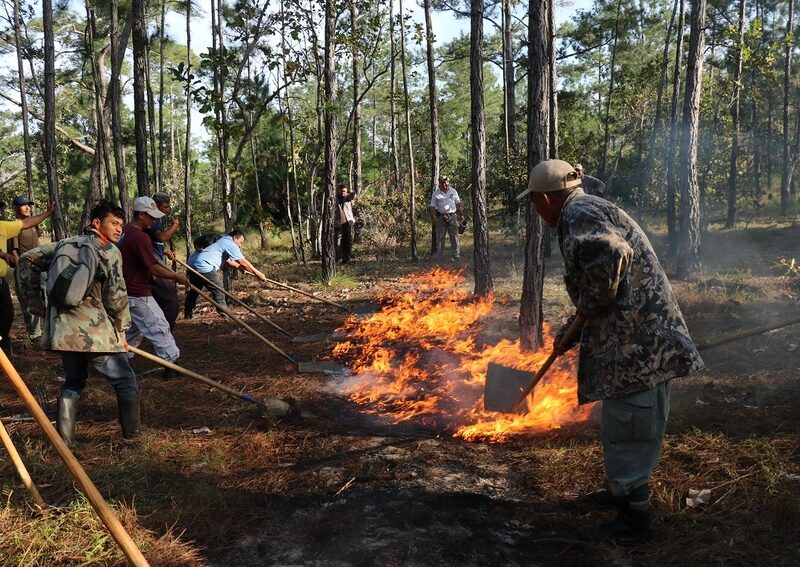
pixel 417 360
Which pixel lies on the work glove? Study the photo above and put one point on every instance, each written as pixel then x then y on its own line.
pixel 559 338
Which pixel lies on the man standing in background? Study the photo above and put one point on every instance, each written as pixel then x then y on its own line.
pixel 445 217
pixel 590 185
pixel 27 239
pixel 10 229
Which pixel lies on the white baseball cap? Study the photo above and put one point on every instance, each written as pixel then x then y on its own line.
pixel 147 205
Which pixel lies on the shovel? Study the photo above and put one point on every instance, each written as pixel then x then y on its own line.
pixel 231 297
pixel 273 407
pixel 506 388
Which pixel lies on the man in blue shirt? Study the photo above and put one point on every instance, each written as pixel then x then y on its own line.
pixel 209 262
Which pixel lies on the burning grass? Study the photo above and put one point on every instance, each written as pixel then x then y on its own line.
pixel 419 359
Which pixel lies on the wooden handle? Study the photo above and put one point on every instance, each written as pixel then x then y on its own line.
pixel 748 333
pixel 245 326
pixel 100 506
pixel 21 470
pixel 573 330
pixel 311 295
pixel 231 296
pixel 208 381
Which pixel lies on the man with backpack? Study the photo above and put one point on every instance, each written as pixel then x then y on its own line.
pixel 86 315
pixel 139 265
pixel 8 230
pixel 209 261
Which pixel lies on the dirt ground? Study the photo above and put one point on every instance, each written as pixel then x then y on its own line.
pixel 337 487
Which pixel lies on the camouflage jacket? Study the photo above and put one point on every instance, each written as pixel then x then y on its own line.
pixel 635 336
pixel 97 323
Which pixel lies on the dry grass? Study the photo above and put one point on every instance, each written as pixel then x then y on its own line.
pixel 75 536
pixel 188 498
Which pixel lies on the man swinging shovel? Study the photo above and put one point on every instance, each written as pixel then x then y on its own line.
pixel 633 342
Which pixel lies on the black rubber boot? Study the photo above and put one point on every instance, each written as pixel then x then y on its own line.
pixel 629 527
pixel 169 374
pixel 603 498
pixel 67 415
pixel 129 417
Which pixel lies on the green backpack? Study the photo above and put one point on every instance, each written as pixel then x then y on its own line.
pixel 72 271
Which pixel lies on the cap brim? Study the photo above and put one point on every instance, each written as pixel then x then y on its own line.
pixel 155 214
pixel 524 194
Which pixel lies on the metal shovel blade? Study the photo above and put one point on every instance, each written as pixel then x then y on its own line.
pixel 503 387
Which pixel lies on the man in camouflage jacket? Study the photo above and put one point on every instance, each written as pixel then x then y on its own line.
pixel 633 342
pixel 92 332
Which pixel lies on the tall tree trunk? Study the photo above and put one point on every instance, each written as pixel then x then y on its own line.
pixel 689 256
pixel 151 123
pixel 115 102
pixel 412 183
pixel 509 84
pixel 187 160
pixel 671 173
pixel 161 38
pixel 530 314
pixel 23 102
pixel 730 221
pixel 606 125
pixel 356 103
pixel 482 267
pixel 292 158
pixel 220 112
pixel 329 208
pixel 139 86
pixel 755 141
pixel 433 109
pixel 398 177
pixel 653 143
pixel 553 88
pixel 49 134
pixel 787 74
pixel 101 166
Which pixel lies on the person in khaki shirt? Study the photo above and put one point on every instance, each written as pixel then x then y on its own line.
pixel 27 239
pixel 10 229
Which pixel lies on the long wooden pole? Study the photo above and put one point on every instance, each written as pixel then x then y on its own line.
pixel 231 296
pixel 245 326
pixel 747 333
pixel 100 506
pixel 196 376
pixel 21 470
pixel 311 295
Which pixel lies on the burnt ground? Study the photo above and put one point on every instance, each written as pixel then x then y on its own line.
pixel 335 487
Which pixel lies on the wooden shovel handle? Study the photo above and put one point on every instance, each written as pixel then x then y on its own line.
pixel 24 476
pixel 231 296
pixel 100 506
pixel 311 295
pixel 199 377
pixel 244 325
pixel 572 331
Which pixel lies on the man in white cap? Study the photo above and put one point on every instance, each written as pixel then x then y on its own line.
pixel 633 342
pixel 139 265
pixel 589 184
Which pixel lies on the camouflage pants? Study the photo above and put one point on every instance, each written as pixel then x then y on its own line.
pixel 633 433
